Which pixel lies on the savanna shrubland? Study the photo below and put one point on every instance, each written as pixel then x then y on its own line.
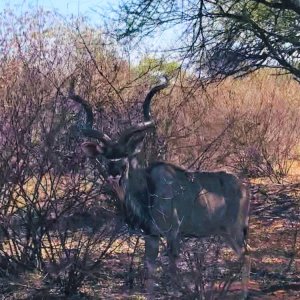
pixel 55 217
pixel 249 125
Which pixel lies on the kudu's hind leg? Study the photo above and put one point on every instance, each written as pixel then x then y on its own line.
pixel 151 253
pixel 246 268
pixel 237 241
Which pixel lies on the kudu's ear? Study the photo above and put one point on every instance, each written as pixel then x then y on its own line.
pixel 91 149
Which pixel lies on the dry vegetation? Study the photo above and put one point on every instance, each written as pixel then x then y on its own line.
pixel 61 230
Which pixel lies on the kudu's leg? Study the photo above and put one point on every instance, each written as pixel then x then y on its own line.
pixel 173 245
pixel 237 241
pixel 246 268
pixel 173 241
pixel 151 253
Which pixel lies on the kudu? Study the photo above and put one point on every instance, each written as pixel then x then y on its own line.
pixel 164 200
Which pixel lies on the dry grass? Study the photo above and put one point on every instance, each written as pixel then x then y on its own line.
pixel 249 125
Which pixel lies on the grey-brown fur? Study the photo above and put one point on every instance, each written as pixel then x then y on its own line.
pixel 168 201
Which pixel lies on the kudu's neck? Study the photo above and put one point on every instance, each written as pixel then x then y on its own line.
pixel 127 178
pixel 136 199
pixel 131 173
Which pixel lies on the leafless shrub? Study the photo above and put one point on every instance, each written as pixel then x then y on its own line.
pixel 56 220
pixel 54 216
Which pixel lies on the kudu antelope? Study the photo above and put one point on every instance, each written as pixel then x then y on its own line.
pixel 164 200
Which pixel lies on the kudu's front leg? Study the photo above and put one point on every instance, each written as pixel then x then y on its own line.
pixel 173 244
pixel 151 253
